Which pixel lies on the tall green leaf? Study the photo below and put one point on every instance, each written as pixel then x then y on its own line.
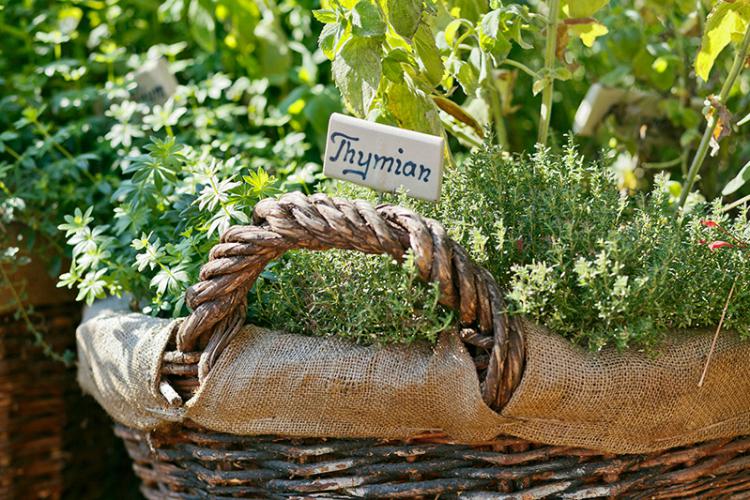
pixel 404 16
pixel 429 54
pixel 367 20
pixel 356 71
pixel 202 26
pixel 740 180
pixel 727 22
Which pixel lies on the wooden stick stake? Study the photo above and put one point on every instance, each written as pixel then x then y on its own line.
pixel 716 335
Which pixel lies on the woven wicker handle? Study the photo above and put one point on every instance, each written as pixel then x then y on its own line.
pixel 319 223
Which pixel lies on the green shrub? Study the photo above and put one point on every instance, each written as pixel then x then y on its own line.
pixel 312 293
pixel 571 251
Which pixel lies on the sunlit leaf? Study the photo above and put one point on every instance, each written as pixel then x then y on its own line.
pixel 740 180
pixel 404 16
pixel 356 71
pixel 367 20
pixel 588 33
pixel 429 54
pixel 726 22
pixel 202 26
pixel 581 8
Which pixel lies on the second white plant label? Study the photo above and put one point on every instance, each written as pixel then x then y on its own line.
pixel 384 158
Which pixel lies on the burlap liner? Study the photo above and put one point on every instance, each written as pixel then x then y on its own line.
pixel 275 383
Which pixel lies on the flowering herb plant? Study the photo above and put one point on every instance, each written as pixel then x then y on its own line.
pixel 571 250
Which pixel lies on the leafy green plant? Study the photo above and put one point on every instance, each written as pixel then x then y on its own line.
pixel 312 294
pixel 726 22
pixel 77 142
pixel 570 249
pixel 436 67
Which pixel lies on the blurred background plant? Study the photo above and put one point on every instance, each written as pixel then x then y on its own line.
pixel 250 110
pixel 622 74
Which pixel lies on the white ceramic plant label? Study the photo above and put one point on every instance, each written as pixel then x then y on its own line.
pixel 155 82
pixel 384 158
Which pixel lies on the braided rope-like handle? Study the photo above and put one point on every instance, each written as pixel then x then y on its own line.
pixel 319 223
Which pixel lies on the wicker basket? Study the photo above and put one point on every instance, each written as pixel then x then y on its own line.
pixel 186 461
pixel 52 437
pixel 32 405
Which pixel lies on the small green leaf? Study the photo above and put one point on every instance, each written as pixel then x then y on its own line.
pixel 327 40
pixel 402 56
pixel 429 54
pixel 325 16
pixel 356 71
pixel 538 86
pixel 562 74
pixel 404 16
pixel 588 33
pixel 272 51
pixel 392 68
pixel 467 76
pixel 202 26
pixel 413 109
pixel 491 38
pixel 451 30
pixel 581 8
pixel 740 179
pixel 367 20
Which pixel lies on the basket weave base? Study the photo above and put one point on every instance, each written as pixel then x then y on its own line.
pixel 53 438
pixel 32 406
pixel 191 463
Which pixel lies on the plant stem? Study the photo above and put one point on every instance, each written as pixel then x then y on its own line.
pixel 501 134
pixel 533 74
pixel 13 153
pixel 700 154
pixel 716 335
pixel 549 63
pixel 38 336
pixel 736 203
pixel 67 154
pixel 663 164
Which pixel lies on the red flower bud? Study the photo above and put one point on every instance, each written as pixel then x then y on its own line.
pixel 702 241
pixel 709 223
pixel 715 245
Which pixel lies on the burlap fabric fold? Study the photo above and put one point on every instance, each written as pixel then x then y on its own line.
pixel 268 382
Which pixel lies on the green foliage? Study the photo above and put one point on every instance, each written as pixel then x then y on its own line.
pixel 141 190
pixel 167 215
pixel 390 55
pixel 487 68
pixel 571 251
pixel 726 23
pixel 313 294
pixel 592 263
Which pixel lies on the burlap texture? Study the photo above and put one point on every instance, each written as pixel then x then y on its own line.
pixel 268 382
pixel 629 402
pixel 119 359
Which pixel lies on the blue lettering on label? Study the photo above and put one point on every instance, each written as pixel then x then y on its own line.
pixel 347 152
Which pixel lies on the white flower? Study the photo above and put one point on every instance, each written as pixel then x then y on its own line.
pixel 164 116
pixel 216 84
pixel 122 134
pixel 122 112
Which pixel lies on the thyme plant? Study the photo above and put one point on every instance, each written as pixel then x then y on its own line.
pixel 595 264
